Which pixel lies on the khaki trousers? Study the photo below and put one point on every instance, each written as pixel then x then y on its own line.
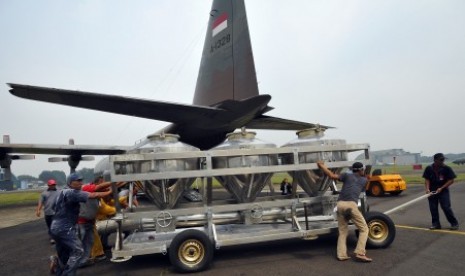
pixel 348 210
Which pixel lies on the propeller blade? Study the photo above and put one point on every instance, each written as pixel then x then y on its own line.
pixel 88 158
pixel 65 159
pixel 23 157
pixel 57 159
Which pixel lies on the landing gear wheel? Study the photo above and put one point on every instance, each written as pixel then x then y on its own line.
pixel 191 251
pixel 381 230
pixel 376 189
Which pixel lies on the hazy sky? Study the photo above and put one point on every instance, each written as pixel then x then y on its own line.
pixel 388 73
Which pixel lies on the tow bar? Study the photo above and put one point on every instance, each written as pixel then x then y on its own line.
pixel 408 203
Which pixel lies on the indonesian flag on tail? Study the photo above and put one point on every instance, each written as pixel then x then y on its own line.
pixel 220 24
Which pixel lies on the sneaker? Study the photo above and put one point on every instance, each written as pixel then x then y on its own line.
pixel 454 227
pixel 435 227
pixel 100 258
pixel 52 241
pixel 53 264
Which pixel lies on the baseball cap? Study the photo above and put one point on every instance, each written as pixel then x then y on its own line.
pixel 439 156
pixel 73 177
pixel 51 182
pixel 357 166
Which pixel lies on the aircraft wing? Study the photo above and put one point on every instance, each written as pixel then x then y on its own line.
pixel 157 110
pixel 268 122
pixel 61 149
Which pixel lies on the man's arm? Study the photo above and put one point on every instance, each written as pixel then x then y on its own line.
pixel 447 184
pixel 100 194
pixel 102 186
pixel 427 185
pixel 39 207
pixel 329 173
pixel 427 175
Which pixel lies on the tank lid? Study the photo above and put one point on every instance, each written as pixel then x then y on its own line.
pixel 314 132
pixel 163 137
pixel 241 135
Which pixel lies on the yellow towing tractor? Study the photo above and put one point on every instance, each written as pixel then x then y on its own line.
pixel 378 184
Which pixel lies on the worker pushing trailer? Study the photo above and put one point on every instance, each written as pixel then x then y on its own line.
pixel 190 232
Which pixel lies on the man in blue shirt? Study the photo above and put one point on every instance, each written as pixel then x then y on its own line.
pixel 63 229
pixel 438 177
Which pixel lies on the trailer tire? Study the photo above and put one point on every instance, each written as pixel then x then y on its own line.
pixel 381 230
pixel 376 189
pixel 191 251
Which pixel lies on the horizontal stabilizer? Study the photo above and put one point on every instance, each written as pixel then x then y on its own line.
pixel 157 110
pixel 268 122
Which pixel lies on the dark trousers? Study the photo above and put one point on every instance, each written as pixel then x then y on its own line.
pixel 48 221
pixel 86 233
pixel 69 250
pixel 443 199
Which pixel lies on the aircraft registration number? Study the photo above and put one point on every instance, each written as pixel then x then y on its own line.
pixel 220 43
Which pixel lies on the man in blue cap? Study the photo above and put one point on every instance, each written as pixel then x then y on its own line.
pixel 63 229
pixel 438 177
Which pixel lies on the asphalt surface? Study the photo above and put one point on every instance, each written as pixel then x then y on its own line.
pixel 24 249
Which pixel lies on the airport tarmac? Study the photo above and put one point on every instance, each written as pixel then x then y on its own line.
pixel 24 248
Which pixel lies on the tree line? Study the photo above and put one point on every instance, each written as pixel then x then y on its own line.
pixel 59 176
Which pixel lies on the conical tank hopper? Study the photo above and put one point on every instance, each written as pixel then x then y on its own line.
pixel 165 193
pixel 244 187
pixel 314 182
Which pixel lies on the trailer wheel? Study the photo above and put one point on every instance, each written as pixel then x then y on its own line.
pixel 376 189
pixel 191 251
pixel 381 230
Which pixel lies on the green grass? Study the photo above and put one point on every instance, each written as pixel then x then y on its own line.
pixel 19 198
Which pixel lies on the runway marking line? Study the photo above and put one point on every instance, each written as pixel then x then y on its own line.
pixel 432 231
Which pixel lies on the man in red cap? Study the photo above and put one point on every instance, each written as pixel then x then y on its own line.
pixel 46 200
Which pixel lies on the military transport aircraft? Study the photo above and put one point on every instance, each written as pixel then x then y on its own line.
pixel 459 161
pixel 226 96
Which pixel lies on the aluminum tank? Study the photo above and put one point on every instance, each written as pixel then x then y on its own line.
pixel 165 192
pixel 244 187
pixel 314 182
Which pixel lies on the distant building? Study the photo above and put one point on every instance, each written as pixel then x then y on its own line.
pixel 393 156
pixel 24 185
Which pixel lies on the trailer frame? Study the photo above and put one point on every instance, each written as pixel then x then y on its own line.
pixel 268 218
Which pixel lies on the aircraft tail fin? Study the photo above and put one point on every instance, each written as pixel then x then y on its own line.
pixel 227 69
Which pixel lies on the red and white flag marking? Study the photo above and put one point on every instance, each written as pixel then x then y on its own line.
pixel 220 24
